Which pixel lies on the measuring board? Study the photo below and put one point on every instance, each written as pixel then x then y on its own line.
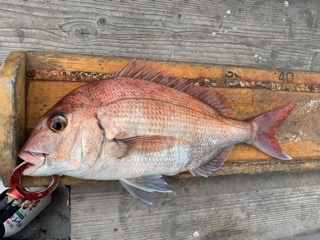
pixel 41 79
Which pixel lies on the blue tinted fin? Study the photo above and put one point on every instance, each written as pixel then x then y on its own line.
pixel 150 183
pixel 214 164
pixel 141 187
pixel 137 193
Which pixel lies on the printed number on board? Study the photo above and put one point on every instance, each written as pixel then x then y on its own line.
pixel 286 76
pixel 231 74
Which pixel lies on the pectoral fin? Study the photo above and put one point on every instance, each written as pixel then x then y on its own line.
pixel 141 187
pixel 214 164
pixel 151 143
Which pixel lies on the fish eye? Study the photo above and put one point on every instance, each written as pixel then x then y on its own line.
pixel 57 123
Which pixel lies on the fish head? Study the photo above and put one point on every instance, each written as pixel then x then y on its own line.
pixel 61 143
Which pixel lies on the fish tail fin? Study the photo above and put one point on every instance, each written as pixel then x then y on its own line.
pixel 266 126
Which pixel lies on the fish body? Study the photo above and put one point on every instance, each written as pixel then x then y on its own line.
pixel 136 129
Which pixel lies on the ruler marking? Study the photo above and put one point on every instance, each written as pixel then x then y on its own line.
pixel 220 76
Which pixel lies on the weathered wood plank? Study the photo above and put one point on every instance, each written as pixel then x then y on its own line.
pixel 12 111
pixel 84 68
pixel 68 67
pixel 249 33
pixel 268 206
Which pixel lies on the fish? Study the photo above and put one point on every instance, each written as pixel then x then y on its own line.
pixel 141 125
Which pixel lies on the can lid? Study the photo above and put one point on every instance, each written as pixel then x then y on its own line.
pixel 18 191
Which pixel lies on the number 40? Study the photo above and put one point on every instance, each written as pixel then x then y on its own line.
pixel 286 76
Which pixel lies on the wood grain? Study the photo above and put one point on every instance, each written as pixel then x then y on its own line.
pixel 12 111
pixel 272 206
pixel 68 67
pixel 254 33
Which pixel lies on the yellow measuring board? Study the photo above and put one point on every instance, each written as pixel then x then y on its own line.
pixel 49 76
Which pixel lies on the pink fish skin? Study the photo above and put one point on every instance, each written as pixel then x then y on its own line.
pixel 141 125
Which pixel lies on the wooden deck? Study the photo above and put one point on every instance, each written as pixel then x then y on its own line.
pixel 266 34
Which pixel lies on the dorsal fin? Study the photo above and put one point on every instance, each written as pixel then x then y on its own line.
pixel 139 70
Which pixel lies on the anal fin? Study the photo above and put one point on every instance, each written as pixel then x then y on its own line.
pixel 141 187
pixel 214 164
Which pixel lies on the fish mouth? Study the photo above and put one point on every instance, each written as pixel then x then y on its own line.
pixel 35 159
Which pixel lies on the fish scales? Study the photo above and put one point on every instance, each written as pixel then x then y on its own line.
pixel 154 113
pixel 148 117
pixel 104 92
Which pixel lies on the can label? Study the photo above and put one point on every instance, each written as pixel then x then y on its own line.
pixel 15 220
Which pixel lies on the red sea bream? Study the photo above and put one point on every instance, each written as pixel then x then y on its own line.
pixel 140 125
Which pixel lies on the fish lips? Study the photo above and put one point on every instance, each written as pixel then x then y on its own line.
pixel 36 159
